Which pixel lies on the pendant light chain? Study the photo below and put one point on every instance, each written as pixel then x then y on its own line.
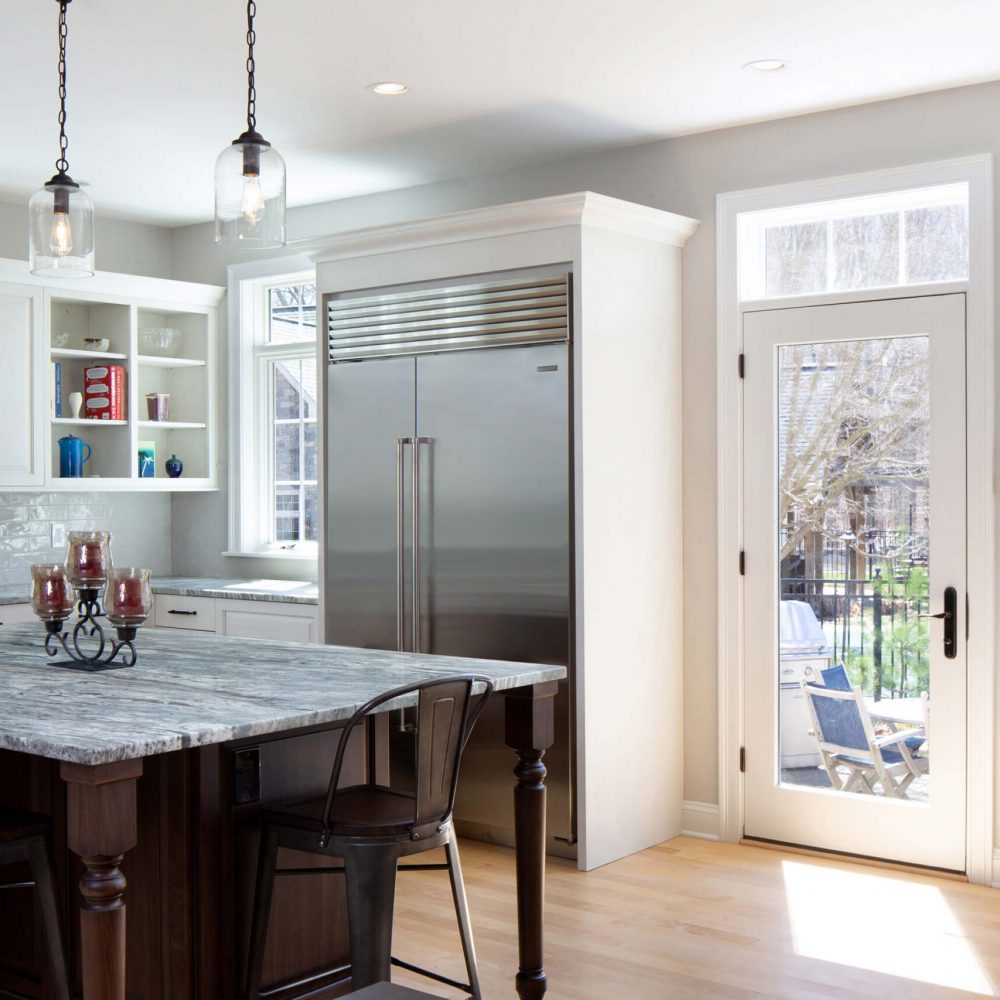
pixel 251 89
pixel 62 164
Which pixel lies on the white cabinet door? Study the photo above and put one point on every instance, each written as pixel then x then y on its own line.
pixel 267 620
pixel 17 614
pixel 22 387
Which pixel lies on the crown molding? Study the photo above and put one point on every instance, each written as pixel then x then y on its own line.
pixel 583 208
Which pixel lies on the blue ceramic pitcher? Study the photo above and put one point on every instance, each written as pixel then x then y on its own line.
pixel 71 456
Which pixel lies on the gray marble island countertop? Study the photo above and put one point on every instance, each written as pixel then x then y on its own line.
pixel 186 693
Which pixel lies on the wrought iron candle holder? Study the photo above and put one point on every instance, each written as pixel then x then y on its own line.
pixel 103 656
pixel 57 589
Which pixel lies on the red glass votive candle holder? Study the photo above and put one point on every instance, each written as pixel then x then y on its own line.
pixel 52 597
pixel 129 597
pixel 88 558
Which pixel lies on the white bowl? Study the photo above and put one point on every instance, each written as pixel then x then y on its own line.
pixel 159 340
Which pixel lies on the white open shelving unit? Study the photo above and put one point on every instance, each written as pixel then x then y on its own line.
pixel 118 308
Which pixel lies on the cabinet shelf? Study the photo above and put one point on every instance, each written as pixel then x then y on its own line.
pixel 174 425
pixel 69 352
pixel 84 422
pixel 157 361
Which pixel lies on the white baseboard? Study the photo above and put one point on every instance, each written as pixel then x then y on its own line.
pixel 701 819
pixel 995 877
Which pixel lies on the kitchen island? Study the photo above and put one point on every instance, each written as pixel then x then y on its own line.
pixel 158 771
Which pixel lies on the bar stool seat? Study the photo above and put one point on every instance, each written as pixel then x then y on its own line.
pixel 372 826
pixel 24 837
pixel 390 991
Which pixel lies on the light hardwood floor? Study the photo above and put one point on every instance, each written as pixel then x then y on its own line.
pixel 692 919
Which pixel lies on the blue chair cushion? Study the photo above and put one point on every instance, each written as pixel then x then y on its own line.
pixel 836 678
pixel 839 720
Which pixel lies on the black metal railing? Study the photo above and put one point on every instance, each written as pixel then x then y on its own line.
pixel 872 627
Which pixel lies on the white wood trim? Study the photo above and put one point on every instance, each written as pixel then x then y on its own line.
pixel 700 819
pixel 242 284
pixel 581 208
pixel 982 646
pixel 160 294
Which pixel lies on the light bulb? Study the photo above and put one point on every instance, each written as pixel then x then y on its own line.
pixel 252 204
pixel 61 237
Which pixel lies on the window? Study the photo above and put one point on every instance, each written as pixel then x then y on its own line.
pixel 875 241
pixel 275 411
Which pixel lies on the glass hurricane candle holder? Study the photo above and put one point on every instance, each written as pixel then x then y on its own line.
pixel 52 597
pixel 129 598
pixel 88 558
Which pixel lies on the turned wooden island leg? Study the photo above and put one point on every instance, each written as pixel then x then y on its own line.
pixel 101 827
pixel 530 729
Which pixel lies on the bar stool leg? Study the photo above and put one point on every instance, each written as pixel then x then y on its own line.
pixel 462 912
pixel 262 896
pixel 41 870
pixel 370 874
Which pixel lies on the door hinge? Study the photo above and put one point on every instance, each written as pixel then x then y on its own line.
pixel 743 563
pixel 743 760
pixel 742 366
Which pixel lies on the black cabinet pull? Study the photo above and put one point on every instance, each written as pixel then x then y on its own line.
pixel 174 611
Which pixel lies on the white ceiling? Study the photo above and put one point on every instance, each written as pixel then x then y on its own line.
pixel 156 88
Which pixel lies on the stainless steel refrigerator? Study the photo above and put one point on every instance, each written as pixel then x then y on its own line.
pixel 448 492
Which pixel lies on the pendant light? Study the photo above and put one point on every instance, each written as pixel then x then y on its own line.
pixel 250 177
pixel 60 215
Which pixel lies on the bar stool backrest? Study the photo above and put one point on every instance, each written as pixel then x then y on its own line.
pixel 445 717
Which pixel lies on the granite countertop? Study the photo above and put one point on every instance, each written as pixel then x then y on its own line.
pixel 187 693
pixel 283 591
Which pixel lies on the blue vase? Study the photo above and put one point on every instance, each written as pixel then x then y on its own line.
pixel 71 456
pixel 174 467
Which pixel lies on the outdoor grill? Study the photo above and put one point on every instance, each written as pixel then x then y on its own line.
pixel 803 653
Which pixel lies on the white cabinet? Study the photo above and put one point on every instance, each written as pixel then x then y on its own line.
pixel 188 613
pixel 16 614
pixel 22 399
pixel 267 620
pixel 47 325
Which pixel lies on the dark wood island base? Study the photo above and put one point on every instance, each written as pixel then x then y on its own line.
pixel 172 824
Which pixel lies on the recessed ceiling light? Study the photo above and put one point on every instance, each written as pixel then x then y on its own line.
pixel 765 65
pixel 388 88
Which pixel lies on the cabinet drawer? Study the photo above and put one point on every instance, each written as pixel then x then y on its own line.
pixel 267 620
pixel 198 613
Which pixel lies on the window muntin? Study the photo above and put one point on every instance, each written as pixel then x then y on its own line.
pixel 876 241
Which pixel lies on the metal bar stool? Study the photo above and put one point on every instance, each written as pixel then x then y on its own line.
pixel 25 837
pixel 372 826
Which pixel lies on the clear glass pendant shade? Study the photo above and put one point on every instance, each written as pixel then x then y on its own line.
pixel 250 195
pixel 61 226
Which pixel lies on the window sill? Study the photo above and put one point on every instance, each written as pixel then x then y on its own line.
pixel 300 556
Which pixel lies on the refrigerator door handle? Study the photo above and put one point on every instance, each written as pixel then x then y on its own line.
pixel 401 443
pixel 415 592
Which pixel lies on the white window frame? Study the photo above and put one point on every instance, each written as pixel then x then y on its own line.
pixel 977 172
pixel 250 468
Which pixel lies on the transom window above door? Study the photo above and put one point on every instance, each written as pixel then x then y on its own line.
pixel 911 237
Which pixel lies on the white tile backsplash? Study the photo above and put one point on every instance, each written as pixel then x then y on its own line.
pixel 139 526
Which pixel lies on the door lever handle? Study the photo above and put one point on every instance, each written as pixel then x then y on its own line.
pixel 948 616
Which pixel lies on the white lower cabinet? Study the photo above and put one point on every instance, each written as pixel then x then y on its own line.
pixel 16 614
pixel 267 620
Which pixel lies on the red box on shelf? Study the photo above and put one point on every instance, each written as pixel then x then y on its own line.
pixel 104 392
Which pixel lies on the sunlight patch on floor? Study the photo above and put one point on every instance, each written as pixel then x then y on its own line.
pixel 881 924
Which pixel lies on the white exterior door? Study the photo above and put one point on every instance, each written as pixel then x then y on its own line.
pixel 22 416
pixel 855 533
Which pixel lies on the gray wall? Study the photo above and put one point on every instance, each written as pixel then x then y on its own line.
pixel 681 175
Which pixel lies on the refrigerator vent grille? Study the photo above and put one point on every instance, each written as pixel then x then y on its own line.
pixel 457 318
